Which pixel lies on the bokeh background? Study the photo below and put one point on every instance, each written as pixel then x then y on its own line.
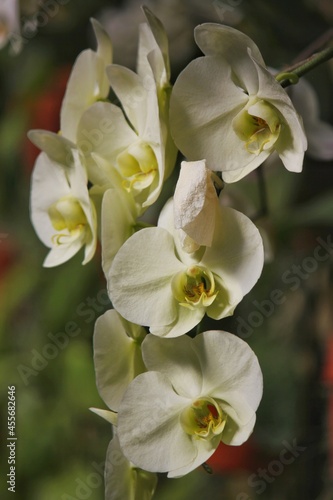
pixel 47 315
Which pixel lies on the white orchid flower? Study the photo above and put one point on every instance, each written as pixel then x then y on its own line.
pixel 127 155
pixel 87 83
pixel 132 145
pixel 197 393
pixel 121 157
pixel 195 205
pixel 228 108
pixel 154 282
pixel 117 356
pixel 62 213
pixel 123 480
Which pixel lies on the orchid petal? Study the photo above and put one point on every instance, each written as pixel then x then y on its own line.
pixel 236 253
pixel 244 376
pixel 109 416
pixel 117 357
pixel 132 94
pixel 154 420
pixel 123 480
pixel 177 359
pixel 140 278
pixel 118 221
pixel 54 145
pixel 195 202
pixel 205 449
pixel 232 45
pixel 87 83
pixel 318 132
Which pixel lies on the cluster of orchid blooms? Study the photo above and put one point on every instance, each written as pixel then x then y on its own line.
pixel 172 397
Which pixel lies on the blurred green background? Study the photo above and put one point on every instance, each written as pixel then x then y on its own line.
pixel 47 315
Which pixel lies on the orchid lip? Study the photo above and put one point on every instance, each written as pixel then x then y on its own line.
pixel 68 219
pixel 203 419
pixel 258 125
pixel 138 166
pixel 195 287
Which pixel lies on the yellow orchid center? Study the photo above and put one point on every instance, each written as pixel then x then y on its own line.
pixel 258 125
pixel 138 165
pixel 194 287
pixel 68 219
pixel 204 418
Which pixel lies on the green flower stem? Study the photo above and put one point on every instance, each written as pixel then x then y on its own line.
pixel 288 76
pixel 293 73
